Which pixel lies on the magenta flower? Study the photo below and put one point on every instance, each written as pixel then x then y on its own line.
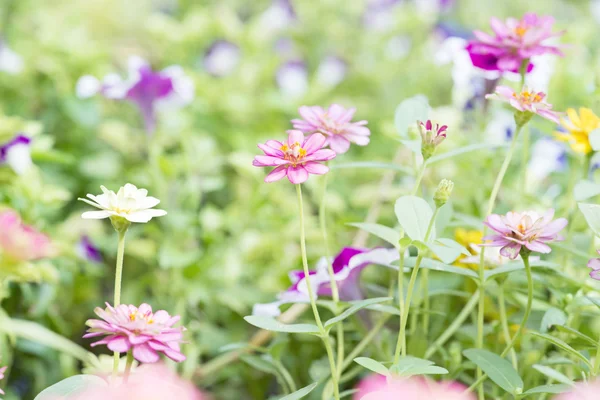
pixel 594 264
pixel 146 382
pixel 2 370
pixel 22 242
pixel 347 268
pixel 151 91
pixel 528 229
pixel 419 388
pixel 526 101
pixel 335 124
pixel 296 159
pixel 433 135
pixel 513 42
pixel 147 333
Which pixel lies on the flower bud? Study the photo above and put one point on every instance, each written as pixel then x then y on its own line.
pixel 443 192
pixel 431 137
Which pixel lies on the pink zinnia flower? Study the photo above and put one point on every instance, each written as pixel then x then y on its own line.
pixel 528 229
pixel 526 101
pixel 582 391
pixel 418 389
pixel 369 384
pixel 335 124
pixel 147 382
pixel 128 327
pixel 297 158
pixel 594 264
pixel 2 370
pixel 431 134
pixel 22 242
pixel 513 42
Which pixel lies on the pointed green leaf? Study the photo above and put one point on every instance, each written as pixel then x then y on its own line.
pixel 414 215
pixel 585 189
pixel 591 212
pixel 356 306
pixel 409 366
pixel 553 316
pixel 300 393
pixel 447 250
pixel 554 374
pixel 561 344
pixel 71 387
pixel 372 365
pixel 497 368
pixel 271 324
pixel 554 389
pixel 390 235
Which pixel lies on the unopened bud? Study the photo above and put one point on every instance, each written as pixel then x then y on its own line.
pixel 443 192
pixel 431 137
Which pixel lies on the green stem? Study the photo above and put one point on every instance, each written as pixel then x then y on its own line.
pixel 400 302
pixel 117 298
pixel 490 208
pixel 504 322
pixel 411 286
pixel 365 341
pixel 425 291
pixel 597 360
pixel 525 256
pixel 128 366
pixel 311 296
pixel 457 323
pixel 419 178
pixel 524 161
pixel 332 282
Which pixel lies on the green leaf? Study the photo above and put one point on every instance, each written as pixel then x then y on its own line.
pixel 554 389
pixel 444 217
pixel 561 344
pixel 591 212
pixel 594 138
pixel 463 150
pixel 384 309
pixel 301 392
pixel 554 374
pixel 372 365
pixel 574 332
pixel 497 368
pixel 259 363
pixel 409 366
pixel 388 234
pixel 435 265
pixel 552 317
pixel 371 164
pixel 414 215
pixel 585 189
pixel 37 333
pixel 71 387
pixel 517 266
pixel 409 112
pixel 354 308
pixel 447 250
pixel 271 324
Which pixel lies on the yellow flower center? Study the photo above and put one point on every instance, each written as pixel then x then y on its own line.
pixel 294 153
pixel 521 30
pixel 528 97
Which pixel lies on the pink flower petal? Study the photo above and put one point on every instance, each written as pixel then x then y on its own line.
pixel 297 174
pixel 315 168
pixel 145 354
pixel 276 174
pixel 295 136
pixel 314 143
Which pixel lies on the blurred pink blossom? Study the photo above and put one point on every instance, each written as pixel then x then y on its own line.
pixel 2 370
pixel 581 391
pixel 22 242
pixel 147 333
pixel 412 389
pixel 296 159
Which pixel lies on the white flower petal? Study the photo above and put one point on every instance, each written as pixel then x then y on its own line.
pixel 87 86
pixel 18 156
pixel 95 214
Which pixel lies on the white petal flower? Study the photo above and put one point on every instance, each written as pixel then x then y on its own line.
pixel 129 202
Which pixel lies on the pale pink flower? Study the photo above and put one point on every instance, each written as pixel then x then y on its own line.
pixel 419 389
pixel 22 242
pixel 581 391
pixel 369 384
pixel 335 124
pixel 2 370
pixel 594 264
pixel 128 327
pixel 515 230
pixel 513 42
pixel 146 382
pixel 526 101
pixel 295 159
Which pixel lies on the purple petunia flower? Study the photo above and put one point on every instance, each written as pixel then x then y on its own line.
pixel 513 42
pixel 221 58
pixel 594 264
pixel 149 90
pixel 127 327
pixel 527 229
pixel 292 79
pixel 16 153
pixel 331 71
pixel 296 159
pixel 87 250
pixel 335 124
pixel 347 267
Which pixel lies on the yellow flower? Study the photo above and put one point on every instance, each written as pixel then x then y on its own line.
pixel 466 238
pixel 579 127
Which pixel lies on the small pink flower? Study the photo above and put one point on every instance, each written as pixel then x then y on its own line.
pixel 433 135
pixel 513 42
pixel 22 242
pixel 527 101
pixel 594 264
pixel 335 124
pixel 298 158
pixel 369 384
pixel 419 389
pixel 2 370
pixel 528 229
pixel 146 382
pixel 582 391
pixel 128 327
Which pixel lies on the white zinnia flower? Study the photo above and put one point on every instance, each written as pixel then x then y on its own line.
pixel 130 203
